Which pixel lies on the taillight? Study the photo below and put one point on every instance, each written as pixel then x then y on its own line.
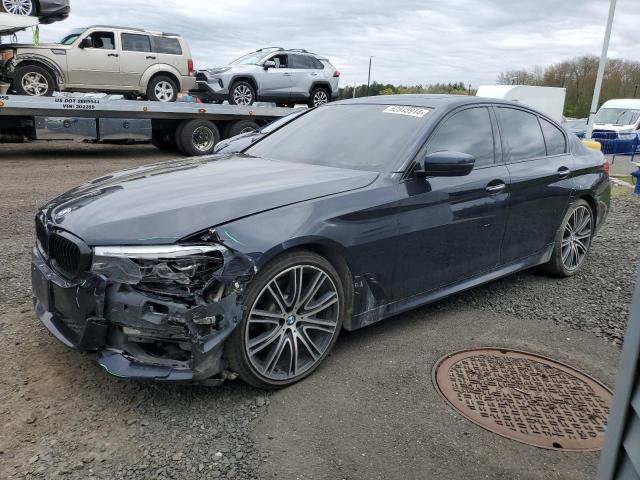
pixel 605 167
pixel 190 66
pixel 336 73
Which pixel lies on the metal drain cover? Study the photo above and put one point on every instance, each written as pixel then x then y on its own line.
pixel 525 397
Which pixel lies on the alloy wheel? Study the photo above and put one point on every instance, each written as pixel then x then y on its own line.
pixel 203 138
pixel 18 7
pixel 242 95
pixel 164 91
pixel 576 238
pixel 34 84
pixel 292 322
pixel 320 98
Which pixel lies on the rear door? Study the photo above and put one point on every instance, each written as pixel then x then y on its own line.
pixel 168 51
pixel 95 65
pixel 541 169
pixel 137 56
pixel 451 228
pixel 304 72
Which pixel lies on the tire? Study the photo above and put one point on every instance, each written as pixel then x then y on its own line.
pixel 289 328
pixel 319 96
pixel 239 127
pixel 164 141
pixel 197 137
pixel 27 8
pixel 242 93
pixel 570 251
pixel 162 88
pixel 34 81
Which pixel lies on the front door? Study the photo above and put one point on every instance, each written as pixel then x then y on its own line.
pixel 96 65
pixel 276 82
pixel 541 184
pixel 451 228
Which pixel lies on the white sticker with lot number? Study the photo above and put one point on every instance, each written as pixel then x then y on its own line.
pixel 410 111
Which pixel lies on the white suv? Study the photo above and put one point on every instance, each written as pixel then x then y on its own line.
pixel 271 75
pixel 103 59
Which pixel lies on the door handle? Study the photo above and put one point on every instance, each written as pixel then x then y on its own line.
pixel 314 74
pixel 150 57
pixel 286 74
pixel 495 188
pixel 563 172
pixel 113 55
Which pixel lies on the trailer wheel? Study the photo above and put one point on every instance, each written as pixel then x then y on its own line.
pixel 241 126
pixel 197 137
pixel 33 80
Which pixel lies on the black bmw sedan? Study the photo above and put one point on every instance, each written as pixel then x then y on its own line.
pixel 251 264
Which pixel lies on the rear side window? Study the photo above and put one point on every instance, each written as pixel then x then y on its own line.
pixel 301 61
pixel 133 42
pixel 468 131
pixel 167 45
pixel 522 133
pixel 554 138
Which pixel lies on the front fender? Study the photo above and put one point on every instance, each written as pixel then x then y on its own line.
pixel 34 58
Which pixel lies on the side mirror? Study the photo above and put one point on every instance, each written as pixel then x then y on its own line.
pixel 85 43
pixel 448 164
pixel 269 64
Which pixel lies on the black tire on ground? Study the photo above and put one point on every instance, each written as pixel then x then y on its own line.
pixel 162 88
pixel 33 80
pixel 241 126
pixel 235 352
pixel 197 137
pixel 319 96
pixel 555 266
pixel 242 93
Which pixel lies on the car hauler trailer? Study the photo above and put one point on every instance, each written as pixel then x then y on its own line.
pixel 190 128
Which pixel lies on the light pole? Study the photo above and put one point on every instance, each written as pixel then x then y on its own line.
pixel 369 77
pixel 601 66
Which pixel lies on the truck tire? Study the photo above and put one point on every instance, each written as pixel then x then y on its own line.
pixel 242 93
pixel 197 137
pixel 33 80
pixel 162 88
pixel 241 126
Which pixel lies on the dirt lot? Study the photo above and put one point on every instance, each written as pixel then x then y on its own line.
pixel 370 412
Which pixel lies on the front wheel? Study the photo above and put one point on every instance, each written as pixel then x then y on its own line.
pixel 34 81
pixel 242 93
pixel 572 241
pixel 18 7
pixel 162 89
pixel 293 314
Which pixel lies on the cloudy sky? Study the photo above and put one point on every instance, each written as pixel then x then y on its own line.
pixel 412 41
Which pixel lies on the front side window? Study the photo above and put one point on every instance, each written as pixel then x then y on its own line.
pixel 522 133
pixel 468 131
pixel 554 138
pixel 133 42
pixel 361 137
pixel 281 60
pixel 102 40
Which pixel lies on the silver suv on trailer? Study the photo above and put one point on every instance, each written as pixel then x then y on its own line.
pixel 271 74
pixel 104 59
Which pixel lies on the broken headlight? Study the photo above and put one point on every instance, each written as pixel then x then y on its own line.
pixel 176 270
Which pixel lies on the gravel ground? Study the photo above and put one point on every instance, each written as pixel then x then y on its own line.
pixel 62 417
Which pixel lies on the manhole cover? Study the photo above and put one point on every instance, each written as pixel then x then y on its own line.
pixel 525 397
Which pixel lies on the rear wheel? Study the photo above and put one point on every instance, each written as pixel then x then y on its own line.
pixel 34 81
pixel 242 93
pixel 197 137
pixel 319 96
pixel 240 127
pixel 162 89
pixel 572 241
pixel 19 7
pixel 293 314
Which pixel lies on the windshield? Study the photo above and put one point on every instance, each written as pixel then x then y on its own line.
pixel 620 116
pixel 249 59
pixel 72 36
pixel 281 121
pixel 361 137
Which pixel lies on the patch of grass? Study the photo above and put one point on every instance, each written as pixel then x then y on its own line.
pixel 625 178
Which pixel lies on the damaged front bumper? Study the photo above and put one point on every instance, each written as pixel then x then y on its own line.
pixel 138 334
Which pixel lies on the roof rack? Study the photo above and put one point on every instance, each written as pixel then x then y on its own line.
pixel 301 50
pixel 264 49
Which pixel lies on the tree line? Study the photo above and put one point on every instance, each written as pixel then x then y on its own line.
pixel 376 88
pixel 578 76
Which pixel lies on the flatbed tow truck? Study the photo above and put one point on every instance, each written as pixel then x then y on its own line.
pixel 188 128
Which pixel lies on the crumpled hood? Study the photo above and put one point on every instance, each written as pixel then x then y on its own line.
pixel 165 202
